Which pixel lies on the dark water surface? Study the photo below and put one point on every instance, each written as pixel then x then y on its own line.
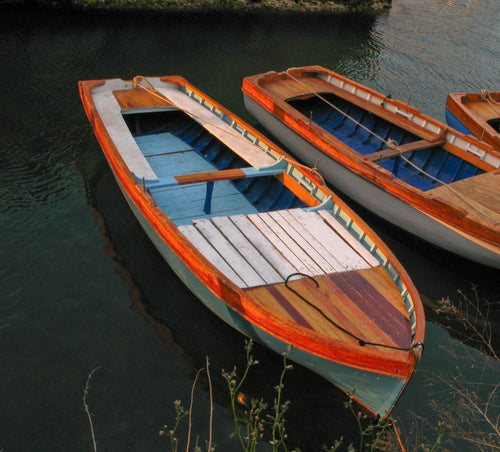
pixel 83 288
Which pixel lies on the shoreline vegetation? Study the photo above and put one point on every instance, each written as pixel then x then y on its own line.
pixel 221 6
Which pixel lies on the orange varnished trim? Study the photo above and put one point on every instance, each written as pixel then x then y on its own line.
pixel 474 112
pixel 210 176
pixel 139 98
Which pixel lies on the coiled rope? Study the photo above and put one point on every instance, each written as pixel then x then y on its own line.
pixel 486 96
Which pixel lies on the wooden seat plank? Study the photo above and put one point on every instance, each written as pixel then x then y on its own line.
pixel 264 246
pixel 418 145
pixel 282 246
pixel 306 241
pixel 344 253
pixel 210 253
pixel 247 249
pixel 228 252
pixel 219 128
pixel 353 243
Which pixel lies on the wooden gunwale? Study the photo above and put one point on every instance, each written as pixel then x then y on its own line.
pixel 270 91
pixel 400 364
pixel 474 112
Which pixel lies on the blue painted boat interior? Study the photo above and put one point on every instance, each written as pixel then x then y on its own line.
pixel 174 144
pixel 452 121
pixel 435 162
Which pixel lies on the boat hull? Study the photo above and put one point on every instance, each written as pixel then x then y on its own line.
pixel 377 391
pixel 372 197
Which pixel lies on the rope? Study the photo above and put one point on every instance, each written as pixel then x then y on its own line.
pixel 486 95
pixel 389 143
pixel 393 144
pixel 360 341
pixel 139 79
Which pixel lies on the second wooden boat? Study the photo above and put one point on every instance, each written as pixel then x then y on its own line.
pixel 258 238
pixel 476 114
pixel 404 166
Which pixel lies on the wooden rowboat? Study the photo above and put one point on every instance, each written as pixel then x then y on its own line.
pixel 258 238
pixel 404 166
pixel 476 114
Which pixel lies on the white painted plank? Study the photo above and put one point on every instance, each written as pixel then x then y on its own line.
pixel 229 253
pixel 344 252
pixel 337 226
pixel 294 253
pixel 201 244
pixel 247 250
pixel 269 251
pixel 110 113
pixel 306 241
pixel 219 128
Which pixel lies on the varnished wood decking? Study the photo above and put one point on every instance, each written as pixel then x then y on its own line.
pixel 366 303
pixel 483 108
pixel 337 288
pixel 478 196
pixel 138 98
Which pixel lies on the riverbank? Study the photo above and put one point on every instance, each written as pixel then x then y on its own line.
pixel 296 6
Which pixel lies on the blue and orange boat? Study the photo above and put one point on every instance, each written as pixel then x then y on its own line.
pixel 411 170
pixel 258 238
pixel 476 114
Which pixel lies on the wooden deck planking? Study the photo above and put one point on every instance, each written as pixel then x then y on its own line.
pixel 281 245
pixel 296 252
pixel 264 246
pixel 350 315
pixel 375 305
pixel 338 307
pixel 349 239
pixel 247 249
pixel 364 302
pixel 477 195
pixel 136 98
pixel 483 108
pixel 235 260
pixel 332 304
pixel 312 246
pixel 211 254
pixel 348 256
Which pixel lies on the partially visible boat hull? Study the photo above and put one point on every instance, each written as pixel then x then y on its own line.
pixel 476 114
pixel 432 181
pixel 372 196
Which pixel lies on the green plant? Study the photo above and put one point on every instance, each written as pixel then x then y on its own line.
pixel 250 427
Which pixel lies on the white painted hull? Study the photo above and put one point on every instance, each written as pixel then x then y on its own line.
pixel 372 197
